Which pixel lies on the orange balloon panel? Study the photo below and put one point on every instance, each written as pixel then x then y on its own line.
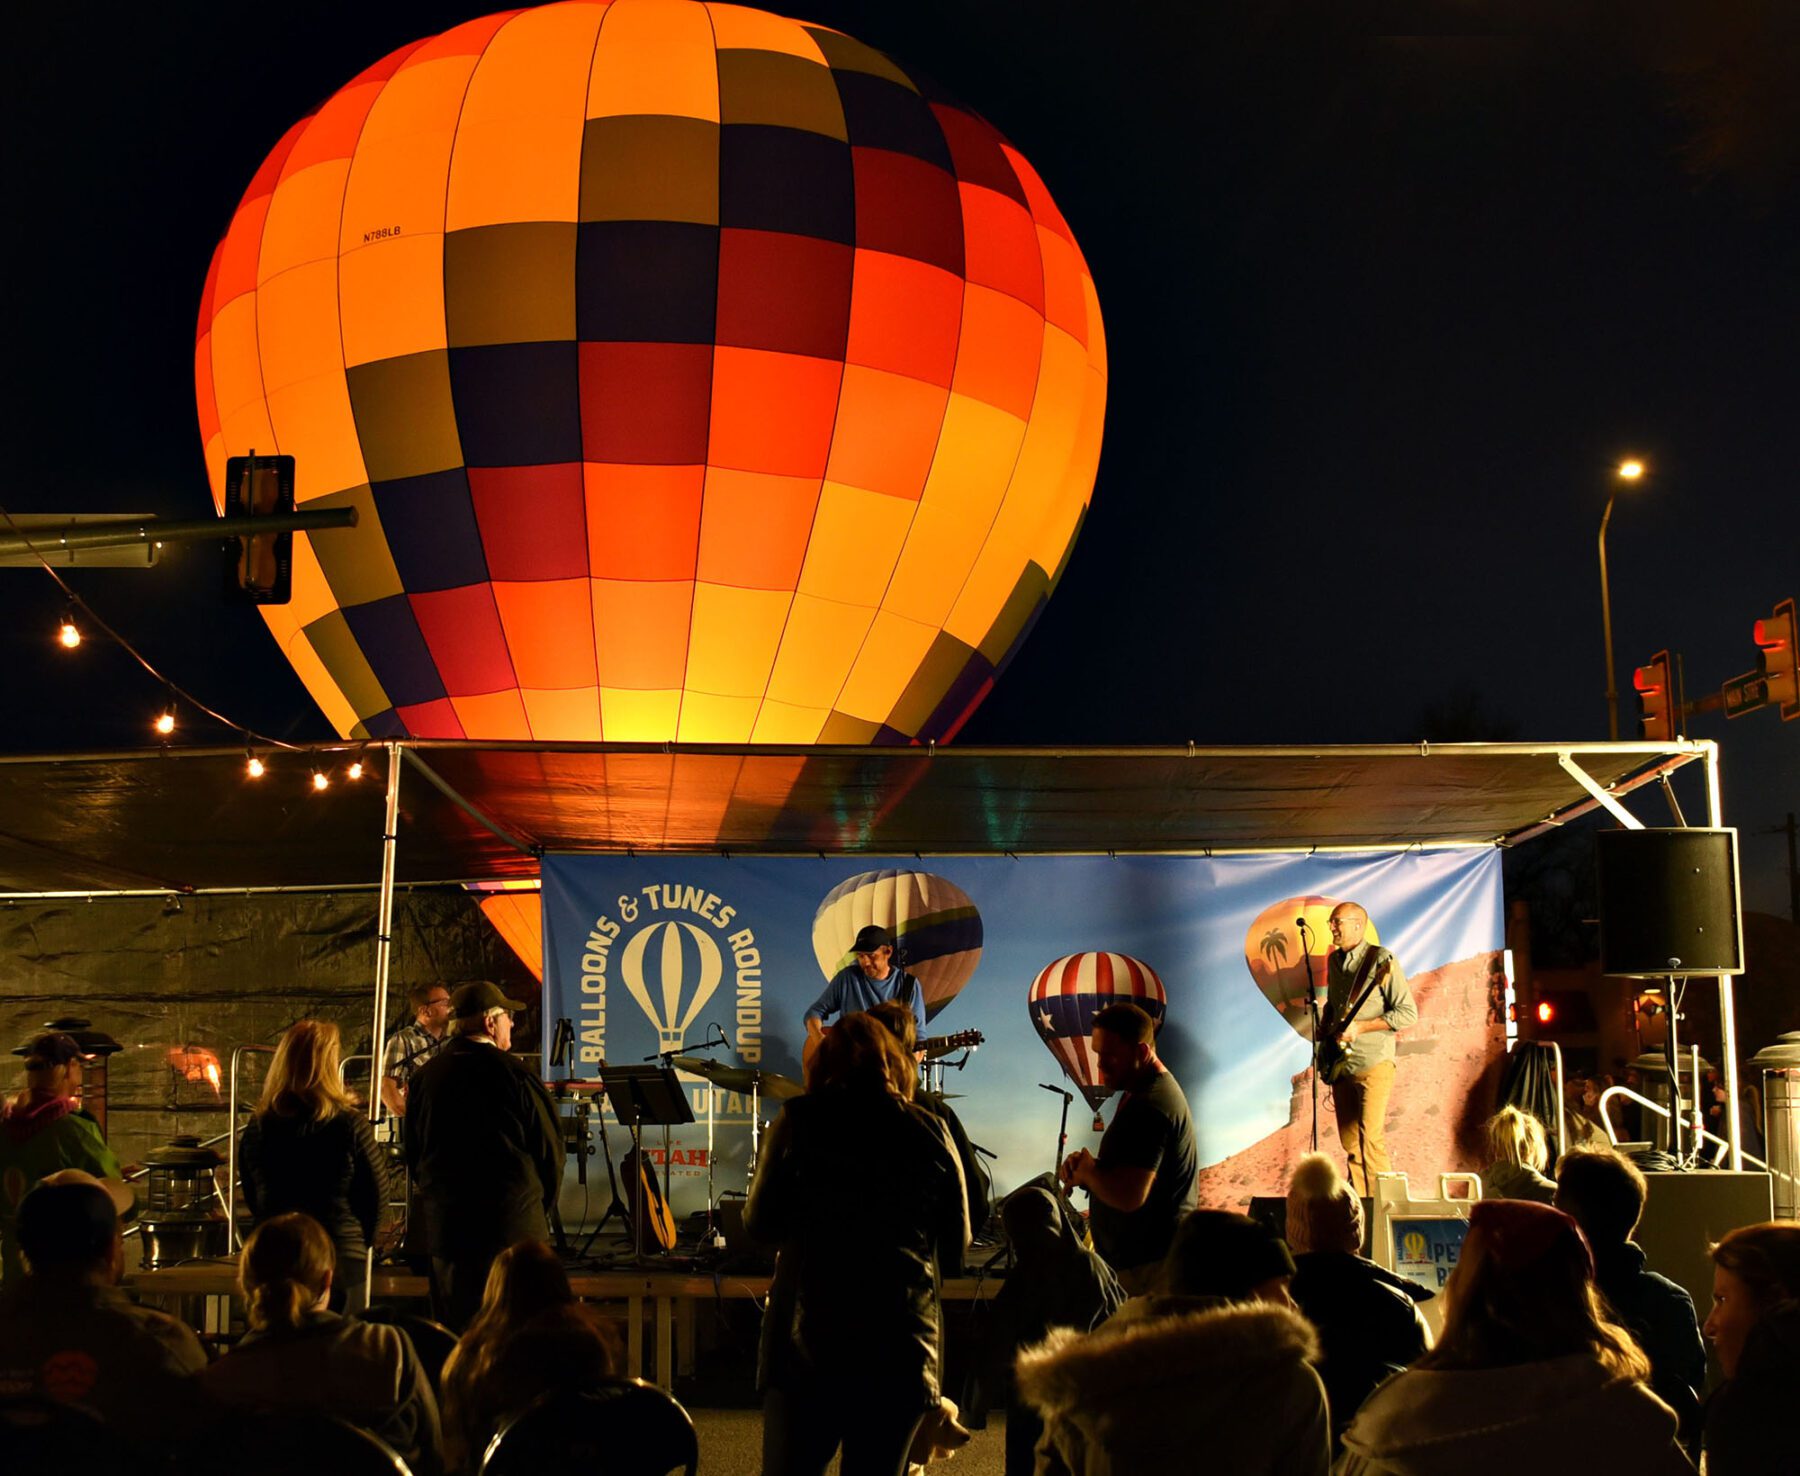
pixel 696 374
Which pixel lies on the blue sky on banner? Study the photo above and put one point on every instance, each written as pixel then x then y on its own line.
pixel 674 945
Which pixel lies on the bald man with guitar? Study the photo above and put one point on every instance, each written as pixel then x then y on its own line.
pixel 1367 1004
pixel 870 979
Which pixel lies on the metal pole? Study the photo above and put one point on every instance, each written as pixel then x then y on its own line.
pixel 1715 817
pixel 384 950
pixel 1612 693
pixel 134 532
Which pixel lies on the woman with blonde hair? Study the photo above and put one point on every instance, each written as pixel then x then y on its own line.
pixel 1528 1374
pixel 531 1335
pixel 309 1150
pixel 862 1192
pixel 1517 1154
pixel 301 1357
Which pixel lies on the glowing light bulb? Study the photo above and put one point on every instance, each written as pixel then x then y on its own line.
pixel 164 724
pixel 355 771
pixel 1630 471
pixel 321 780
pixel 254 767
pixel 69 634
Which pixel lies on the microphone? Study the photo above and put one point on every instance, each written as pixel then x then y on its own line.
pixel 1300 923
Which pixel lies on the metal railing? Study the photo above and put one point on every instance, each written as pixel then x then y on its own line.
pixel 1703 1134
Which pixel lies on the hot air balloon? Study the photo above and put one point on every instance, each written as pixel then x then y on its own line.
pixel 1066 996
pixel 937 931
pixel 696 374
pixel 1284 968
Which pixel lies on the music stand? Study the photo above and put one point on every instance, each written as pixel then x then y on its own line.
pixel 640 1095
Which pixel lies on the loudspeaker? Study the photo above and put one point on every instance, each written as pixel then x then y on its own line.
pixel 1669 903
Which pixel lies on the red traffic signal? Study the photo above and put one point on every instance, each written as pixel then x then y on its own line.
pixel 1780 659
pixel 1546 1012
pixel 1656 705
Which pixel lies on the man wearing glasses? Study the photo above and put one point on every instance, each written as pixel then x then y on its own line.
pixel 483 1147
pixel 411 1046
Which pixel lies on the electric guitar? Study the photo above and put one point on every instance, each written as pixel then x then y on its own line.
pixel 932 1045
pixel 1334 1059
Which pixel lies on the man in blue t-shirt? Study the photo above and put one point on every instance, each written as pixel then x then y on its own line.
pixel 870 980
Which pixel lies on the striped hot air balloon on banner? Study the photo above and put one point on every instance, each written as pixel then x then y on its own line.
pixel 1067 995
pixel 935 926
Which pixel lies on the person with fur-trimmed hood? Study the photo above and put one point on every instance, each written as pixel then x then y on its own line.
pixel 1210 1371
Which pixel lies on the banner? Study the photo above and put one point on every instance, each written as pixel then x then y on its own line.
pixel 646 954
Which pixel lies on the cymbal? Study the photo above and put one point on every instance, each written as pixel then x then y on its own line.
pixel 741 1079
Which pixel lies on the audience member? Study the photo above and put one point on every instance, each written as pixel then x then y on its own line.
pixel 1604 1192
pixel 414 1043
pixel 68 1333
pixel 484 1147
pixel 1055 1281
pixel 901 1024
pixel 1527 1375
pixel 1368 1319
pixel 43 1130
pixel 1754 1327
pixel 300 1356
pixel 1211 1371
pixel 530 1336
pixel 309 1151
pixel 1517 1155
pixel 862 1192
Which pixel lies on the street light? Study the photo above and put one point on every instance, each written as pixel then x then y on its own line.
pixel 1630 470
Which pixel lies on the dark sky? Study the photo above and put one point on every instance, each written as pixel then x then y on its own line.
pixel 1385 299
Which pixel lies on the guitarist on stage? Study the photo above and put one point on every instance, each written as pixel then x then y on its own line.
pixel 871 979
pixel 1360 1093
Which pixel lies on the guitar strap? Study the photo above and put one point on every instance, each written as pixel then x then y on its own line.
pixel 1359 992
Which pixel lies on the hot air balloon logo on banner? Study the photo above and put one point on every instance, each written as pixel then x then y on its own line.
pixel 1067 995
pixel 1284 967
pixel 936 928
pixel 697 375
pixel 671 969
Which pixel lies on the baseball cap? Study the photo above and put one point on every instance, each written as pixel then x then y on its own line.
pixel 470 1000
pixel 53 1048
pixel 872 937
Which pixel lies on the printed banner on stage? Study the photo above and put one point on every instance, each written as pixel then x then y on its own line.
pixel 659 953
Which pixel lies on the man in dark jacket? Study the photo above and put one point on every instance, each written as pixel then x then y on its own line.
pixel 1368 1318
pixel 1604 1193
pixel 484 1148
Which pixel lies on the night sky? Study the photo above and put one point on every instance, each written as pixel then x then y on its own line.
pixel 1385 298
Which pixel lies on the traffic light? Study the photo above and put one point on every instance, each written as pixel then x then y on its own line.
pixel 1780 659
pixel 1656 703
pixel 259 568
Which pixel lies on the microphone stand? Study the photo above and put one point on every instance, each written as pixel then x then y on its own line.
pixel 1312 1007
pixel 1062 1128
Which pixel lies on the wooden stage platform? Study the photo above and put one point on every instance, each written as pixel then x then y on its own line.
pixel 672 1296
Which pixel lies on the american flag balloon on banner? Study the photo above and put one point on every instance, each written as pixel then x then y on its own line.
pixel 1067 994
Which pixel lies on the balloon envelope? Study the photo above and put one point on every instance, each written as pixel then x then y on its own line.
pixel 1068 993
pixel 696 374
pixel 937 929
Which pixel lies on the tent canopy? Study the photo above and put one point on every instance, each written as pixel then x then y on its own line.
pixel 191 819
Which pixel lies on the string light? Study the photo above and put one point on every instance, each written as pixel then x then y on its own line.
pixel 69 634
pixel 355 771
pixel 321 781
pixel 254 767
pixel 165 723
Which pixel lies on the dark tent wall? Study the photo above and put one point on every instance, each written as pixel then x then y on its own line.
pixel 171 977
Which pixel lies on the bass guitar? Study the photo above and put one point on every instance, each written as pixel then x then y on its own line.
pixel 1334 1059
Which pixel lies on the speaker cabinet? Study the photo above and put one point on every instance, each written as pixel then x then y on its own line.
pixel 1669 903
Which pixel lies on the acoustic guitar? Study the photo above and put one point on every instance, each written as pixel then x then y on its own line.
pixel 932 1045
pixel 641 1187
